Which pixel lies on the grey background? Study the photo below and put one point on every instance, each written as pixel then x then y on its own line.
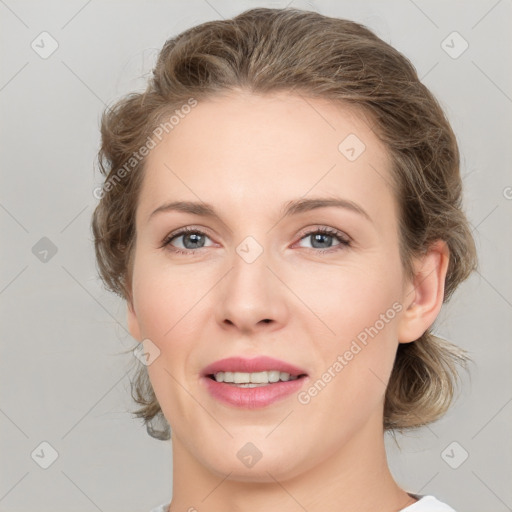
pixel 64 379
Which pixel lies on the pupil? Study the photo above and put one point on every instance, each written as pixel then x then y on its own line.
pixel 318 238
pixel 196 238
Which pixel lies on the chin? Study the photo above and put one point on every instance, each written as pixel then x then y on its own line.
pixel 266 469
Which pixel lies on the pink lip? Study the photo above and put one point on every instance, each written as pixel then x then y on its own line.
pixel 251 398
pixel 257 364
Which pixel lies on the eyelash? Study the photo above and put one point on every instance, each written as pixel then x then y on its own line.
pixel 344 242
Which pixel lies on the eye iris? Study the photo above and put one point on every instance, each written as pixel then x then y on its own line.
pixel 318 238
pixel 196 239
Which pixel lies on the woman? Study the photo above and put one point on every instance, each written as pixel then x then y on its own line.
pixel 282 214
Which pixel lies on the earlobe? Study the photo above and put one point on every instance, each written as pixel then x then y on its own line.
pixel 426 293
pixel 133 324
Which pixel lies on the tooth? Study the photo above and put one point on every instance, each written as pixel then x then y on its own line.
pixel 273 376
pixel 244 378
pixel 241 378
pixel 259 378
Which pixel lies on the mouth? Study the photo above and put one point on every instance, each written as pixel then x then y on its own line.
pixel 255 379
pixel 261 370
pixel 252 383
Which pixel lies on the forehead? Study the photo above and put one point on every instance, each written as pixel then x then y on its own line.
pixel 250 151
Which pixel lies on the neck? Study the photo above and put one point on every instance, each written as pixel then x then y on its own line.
pixel 355 476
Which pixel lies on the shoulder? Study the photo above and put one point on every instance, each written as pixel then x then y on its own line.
pixel 426 504
pixel 161 508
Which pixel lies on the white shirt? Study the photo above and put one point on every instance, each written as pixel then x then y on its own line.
pixel 424 504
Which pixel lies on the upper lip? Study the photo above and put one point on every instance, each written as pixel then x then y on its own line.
pixel 256 364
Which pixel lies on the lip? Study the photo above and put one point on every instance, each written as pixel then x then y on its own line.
pixel 257 397
pixel 256 364
pixel 252 398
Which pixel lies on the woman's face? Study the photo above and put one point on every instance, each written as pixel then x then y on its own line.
pixel 252 281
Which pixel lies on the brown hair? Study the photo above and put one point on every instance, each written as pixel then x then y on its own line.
pixel 271 50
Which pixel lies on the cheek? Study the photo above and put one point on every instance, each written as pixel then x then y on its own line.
pixel 164 315
pixel 168 302
pixel 154 309
pixel 353 296
pixel 355 364
pixel 360 305
pixel 158 297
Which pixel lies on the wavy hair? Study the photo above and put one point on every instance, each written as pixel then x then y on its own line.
pixel 270 50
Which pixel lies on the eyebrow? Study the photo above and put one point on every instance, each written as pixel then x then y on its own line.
pixel 293 207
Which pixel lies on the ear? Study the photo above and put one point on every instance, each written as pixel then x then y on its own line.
pixel 133 323
pixel 423 297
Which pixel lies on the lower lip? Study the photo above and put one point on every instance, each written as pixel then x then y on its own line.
pixel 252 398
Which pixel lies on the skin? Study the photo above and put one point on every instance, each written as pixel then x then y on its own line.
pixel 247 155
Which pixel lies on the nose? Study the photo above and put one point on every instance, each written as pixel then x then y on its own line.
pixel 251 296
